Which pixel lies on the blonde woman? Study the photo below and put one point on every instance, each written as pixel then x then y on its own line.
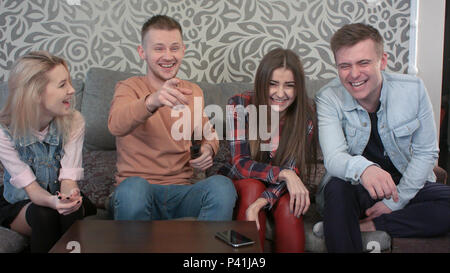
pixel 41 139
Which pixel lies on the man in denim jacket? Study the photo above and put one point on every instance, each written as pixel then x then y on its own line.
pixel 379 142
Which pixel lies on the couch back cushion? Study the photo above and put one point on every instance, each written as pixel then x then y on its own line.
pixel 93 98
pixel 78 85
pixel 219 93
pixel 99 90
pixel 313 86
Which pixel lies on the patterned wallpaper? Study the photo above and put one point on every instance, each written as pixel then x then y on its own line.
pixel 225 39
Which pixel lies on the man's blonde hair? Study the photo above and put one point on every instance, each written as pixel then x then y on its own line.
pixel 27 81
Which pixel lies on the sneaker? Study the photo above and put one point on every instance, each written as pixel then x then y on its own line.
pixel 318 229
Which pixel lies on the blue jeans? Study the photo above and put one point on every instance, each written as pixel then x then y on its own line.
pixel 209 199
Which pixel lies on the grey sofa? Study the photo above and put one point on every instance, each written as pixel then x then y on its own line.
pixel 93 97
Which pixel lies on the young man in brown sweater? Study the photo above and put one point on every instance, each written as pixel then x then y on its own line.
pixel 154 169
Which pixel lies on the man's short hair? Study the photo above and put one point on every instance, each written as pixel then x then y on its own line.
pixel 161 22
pixel 350 35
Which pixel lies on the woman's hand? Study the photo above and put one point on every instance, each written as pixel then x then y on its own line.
pixel 253 210
pixel 299 195
pixel 70 194
pixel 41 197
pixel 66 206
pixel 73 195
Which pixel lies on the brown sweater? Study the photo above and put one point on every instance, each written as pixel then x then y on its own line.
pixel 145 147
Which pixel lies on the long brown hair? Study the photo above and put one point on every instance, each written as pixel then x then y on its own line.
pixel 294 141
pixel 26 83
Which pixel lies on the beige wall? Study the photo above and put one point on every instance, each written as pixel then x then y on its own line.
pixel 430 48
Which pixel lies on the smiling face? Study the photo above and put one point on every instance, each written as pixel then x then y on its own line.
pixel 58 94
pixel 282 92
pixel 163 51
pixel 359 68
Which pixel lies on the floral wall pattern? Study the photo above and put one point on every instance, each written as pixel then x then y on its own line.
pixel 225 39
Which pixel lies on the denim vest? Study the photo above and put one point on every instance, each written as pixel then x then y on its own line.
pixel 42 157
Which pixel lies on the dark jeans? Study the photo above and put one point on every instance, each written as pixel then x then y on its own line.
pixel 426 215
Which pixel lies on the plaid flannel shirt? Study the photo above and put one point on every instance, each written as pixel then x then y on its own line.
pixel 242 166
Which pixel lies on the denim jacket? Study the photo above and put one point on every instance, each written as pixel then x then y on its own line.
pixel 405 124
pixel 42 157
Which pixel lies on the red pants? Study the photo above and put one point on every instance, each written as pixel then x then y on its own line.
pixel 289 230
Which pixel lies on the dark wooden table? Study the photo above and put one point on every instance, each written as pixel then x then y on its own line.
pixel 439 244
pixel 107 236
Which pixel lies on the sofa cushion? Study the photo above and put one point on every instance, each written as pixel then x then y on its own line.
pixel 220 93
pixel 99 89
pixel 11 241
pixel 78 85
pixel 313 86
pixel 99 170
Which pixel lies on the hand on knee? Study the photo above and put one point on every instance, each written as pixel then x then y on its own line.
pixel 252 213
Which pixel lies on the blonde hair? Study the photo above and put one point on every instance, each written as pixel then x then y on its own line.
pixel 27 81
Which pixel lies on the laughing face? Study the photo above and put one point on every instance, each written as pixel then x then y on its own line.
pixel 163 51
pixel 282 89
pixel 57 97
pixel 359 68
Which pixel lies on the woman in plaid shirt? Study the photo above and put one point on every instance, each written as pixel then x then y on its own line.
pixel 262 176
